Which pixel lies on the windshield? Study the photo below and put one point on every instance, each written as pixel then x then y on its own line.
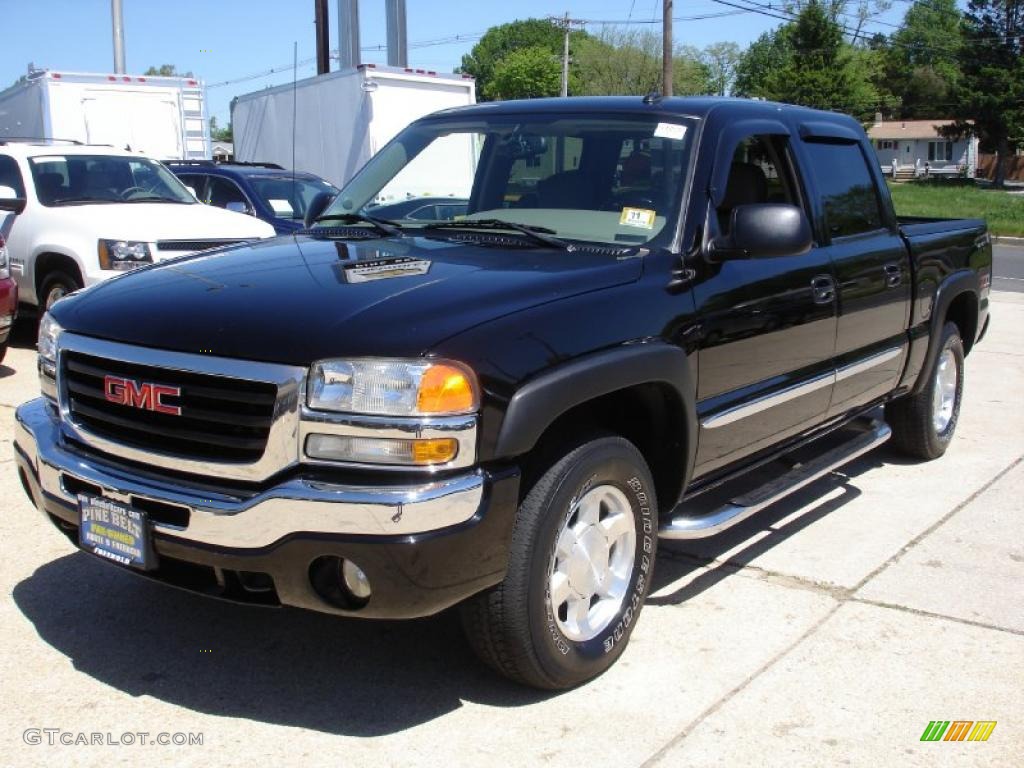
pixel 289 198
pixel 80 179
pixel 581 177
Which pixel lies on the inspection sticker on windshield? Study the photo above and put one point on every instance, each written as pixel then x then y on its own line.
pixel 637 217
pixel 670 131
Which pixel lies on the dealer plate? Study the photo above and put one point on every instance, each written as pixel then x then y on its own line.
pixel 114 531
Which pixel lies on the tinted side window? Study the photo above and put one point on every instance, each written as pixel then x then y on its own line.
pixel 196 182
pixel 847 189
pixel 758 174
pixel 10 176
pixel 220 192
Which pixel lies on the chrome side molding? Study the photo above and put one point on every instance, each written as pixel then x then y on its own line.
pixel 683 526
pixel 765 402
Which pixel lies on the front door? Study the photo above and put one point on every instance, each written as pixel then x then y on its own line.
pixel 765 364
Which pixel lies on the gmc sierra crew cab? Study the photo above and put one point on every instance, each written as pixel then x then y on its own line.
pixel 506 410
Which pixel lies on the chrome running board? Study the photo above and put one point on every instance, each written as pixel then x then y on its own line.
pixel 698 527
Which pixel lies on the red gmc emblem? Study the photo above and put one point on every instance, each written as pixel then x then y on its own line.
pixel 141 394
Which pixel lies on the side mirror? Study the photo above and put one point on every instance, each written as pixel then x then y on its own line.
pixel 762 231
pixel 9 200
pixel 317 206
pixel 238 207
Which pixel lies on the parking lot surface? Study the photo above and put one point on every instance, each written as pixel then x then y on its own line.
pixel 828 630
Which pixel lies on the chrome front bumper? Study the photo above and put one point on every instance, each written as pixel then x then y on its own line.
pixel 231 521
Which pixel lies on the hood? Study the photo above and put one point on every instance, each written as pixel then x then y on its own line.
pixel 296 300
pixel 149 222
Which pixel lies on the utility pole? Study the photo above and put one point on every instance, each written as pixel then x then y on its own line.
pixel 566 24
pixel 117 22
pixel 323 44
pixel 666 48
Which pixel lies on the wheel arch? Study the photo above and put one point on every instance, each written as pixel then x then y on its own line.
pixel 50 260
pixel 643 392
pixel 956 300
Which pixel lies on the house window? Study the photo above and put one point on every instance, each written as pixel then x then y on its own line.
pixel 940 150
pixel 885 144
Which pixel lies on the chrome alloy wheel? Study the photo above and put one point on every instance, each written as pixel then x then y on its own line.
pixel 944 394
pixel 593 563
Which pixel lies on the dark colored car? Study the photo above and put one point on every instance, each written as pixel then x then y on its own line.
pixel 383 419
pixel 264 190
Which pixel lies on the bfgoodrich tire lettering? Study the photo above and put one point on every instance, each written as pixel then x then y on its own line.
pixel 513 626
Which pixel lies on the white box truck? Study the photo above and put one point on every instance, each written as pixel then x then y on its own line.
pixel 163 117
pixel 341 119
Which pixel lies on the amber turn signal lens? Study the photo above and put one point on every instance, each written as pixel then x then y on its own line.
pixel 435 451
pixel 445 388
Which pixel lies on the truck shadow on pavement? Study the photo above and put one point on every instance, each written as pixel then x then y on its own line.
pixel 744 542
pixel 276 665
pixel 325 673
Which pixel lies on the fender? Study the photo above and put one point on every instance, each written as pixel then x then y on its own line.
pixel 543 399
pixel 955 285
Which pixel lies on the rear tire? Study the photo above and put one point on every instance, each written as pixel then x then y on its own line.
pixel 580 564
pixel 923 424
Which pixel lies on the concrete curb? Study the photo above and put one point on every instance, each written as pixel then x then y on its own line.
pixel 1004 240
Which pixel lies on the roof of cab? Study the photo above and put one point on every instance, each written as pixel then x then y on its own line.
pixel 699 107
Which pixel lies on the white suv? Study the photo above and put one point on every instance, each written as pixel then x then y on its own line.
pixel 91 212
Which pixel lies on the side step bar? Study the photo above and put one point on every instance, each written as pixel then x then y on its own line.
pixel 728 515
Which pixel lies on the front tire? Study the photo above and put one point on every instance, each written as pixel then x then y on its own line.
pixel 580 564
pixel 923 424
pixel 55 287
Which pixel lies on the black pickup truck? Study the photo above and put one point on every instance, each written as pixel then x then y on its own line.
pixel 506 410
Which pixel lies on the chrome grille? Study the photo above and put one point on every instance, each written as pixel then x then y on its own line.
pixel 185 246
pixel 223 419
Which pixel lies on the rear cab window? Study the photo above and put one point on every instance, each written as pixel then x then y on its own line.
pixel 846 188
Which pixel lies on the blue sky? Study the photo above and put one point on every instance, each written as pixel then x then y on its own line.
pixel 221 40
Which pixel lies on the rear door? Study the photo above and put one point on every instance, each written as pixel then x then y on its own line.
pixel 871 264
pixel 765 364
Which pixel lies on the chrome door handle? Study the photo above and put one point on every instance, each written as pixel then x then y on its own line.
pixel 893 275
pixel 823 288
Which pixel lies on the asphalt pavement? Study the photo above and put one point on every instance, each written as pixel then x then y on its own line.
pixel 1008 267
pixel 831 629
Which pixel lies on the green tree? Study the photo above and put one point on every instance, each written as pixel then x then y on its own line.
pixel 808 62
pixel 526 73
pixel 990 91
pixel 166 70
pixel 220 134
pixel 721 59
pixel 757 65
pixel 628 62
pixel 921 60
pixel 500 41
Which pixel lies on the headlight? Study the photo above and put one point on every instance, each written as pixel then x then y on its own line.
pixel 123 254
pixel 380 387
pixel 49 333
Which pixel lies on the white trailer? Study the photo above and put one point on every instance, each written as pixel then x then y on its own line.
pixel 162 117
pixel 340 119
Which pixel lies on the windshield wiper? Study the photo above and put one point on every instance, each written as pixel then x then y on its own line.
pixel 541 235
pixel 385 226
pixel 155 199
pixel 82 200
